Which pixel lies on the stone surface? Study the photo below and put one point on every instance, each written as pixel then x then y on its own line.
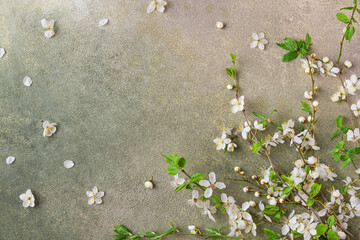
pixel 141 86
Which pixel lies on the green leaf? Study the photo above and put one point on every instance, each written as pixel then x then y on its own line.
pixel 310 202
pixel 347 8
pixel 216 200
pixel 307 169
pixel 212 231
pixel 272 112
pixel 230 72
pixel 182 162
pixel 298 187
pixel 291 44
pixel 340 145
pixel 345 163
pixel 321 229
pixel 271 234
pixel 259 115
pixel 189 187
pixel 256 147
pixel 233 57
pixel 308 40
pixel 344 129
pixel 286 190
pixel 197 177
pixel 343 190
pixel 296 234
pixel 171 159
pixel 331 220
pixel 339 120
pixel 287 180
pixel 180 187
pixel 172 170
pixel 337 156
pixel 290 56
pixel 357 150
pixel 342 17
pixel 284 46
pixel 332 235
pixel 315 189
pixel 349 33
pixel 270 209
pixel 335 134
pixel 277 215
pixel 351 153
pixel 306 107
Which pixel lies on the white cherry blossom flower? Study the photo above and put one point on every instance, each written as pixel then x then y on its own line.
pixel 339 232
pixel 356 108
pixel 194 199
pixel 308 66
pixel 238 104
pixel 231 147
pixel 339 95
pixel 94 196
pixel 357 171
pixel 336 196
pixel 352 84
pixel 351 188
pixel 327 208
pixel 286 227
pixel 259 41
pixel 193 229
pixel 211 184
pixel 245 130
pixel 49 128
pixel 177 181
pixel 227 201
pixel 347 64
pixel 312 160
pixel 331 70
pixel 353 136
pixel 159 5
pixel 308 95
pixel 49 27
pixel 28 199
pixel 259 126
pixel 221 142
pixel 288 128
pixel 207 210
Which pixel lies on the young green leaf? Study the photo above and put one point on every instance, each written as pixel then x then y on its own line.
pixel 306 107
pixel 310 202
pixel 230 72
pixel 197 177
pixel 271 234
pixel 178 188
pixel 345 164
pixel 308 40
pixel 290 56
pixel 339 120
pixel 233 57
pixel 321 229
pixel 270 209
pixel 259 115
pixel 182 162
pixel 212 231
pixel 287 180
pixel 315 189
pixel 342 17
pixel 216 200
pixel 335 134
pixel 291 44
pixel 256 147
pixel 172 170
pixel 332 235
pixel 331 220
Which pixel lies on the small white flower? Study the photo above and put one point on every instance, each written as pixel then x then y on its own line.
pixel 339 95
pixel 273 201
pixel 219 25
pixel 347 64
pixel 221 142
pixel 229 86
pixel 311 160
pixel 159 5
pixel 103 22
pixel 2 52
pixel 308 66
pixel 326 59
pixel 308 95
pixel 356 108
pixel 149 184
pixel 245 130
pixel 27 81
pixel 231 147
pixel 302 119
pixel 315 103
pixel 351 189
pixel 331 70
pixel 252 203
pixel 68 164
pixel 238 104
pixel 49 128
pixel 211 184
pixel 10 159
pixel 207 210
pixel 353 136
pixel 259 126
pixel 193 229
pixel 28 199
pixel 94 196
pixel 259 41
pixel 194 199
pixel 177 181
pixel 49 27
pixel 352 84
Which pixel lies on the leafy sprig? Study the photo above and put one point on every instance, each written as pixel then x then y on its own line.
pixel 296 48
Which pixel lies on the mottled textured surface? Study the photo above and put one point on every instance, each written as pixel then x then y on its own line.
pixel 141 86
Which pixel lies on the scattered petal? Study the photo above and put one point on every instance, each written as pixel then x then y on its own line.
pixel 68 164
pixel 10 159
pixel 103 22
pixel 2 52
pixel 27 81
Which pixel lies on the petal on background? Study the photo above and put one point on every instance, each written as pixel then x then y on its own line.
pixel 254 44
pixel 10 159
pixel 2 52
pixel 261 35
pixel 261 46
pixel 212 177
pixel 27 81
pixel 151 7
pixel 255 36
pixel 49 33
pixel 68 164
pixel 103 22
pixel 208 192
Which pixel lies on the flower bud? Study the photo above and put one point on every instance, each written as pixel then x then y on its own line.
pixel 252 204
pixel 326 59
pixel 273 201
pixel 308 95
pixel 299 163
pixel 262 182
pixel 347 64
pixel 310 119
pixel 315 103
pixel 313 55
pixel 254 177
pixel 149 184
pixel 302 119
pixel 242 173
pixel 316 88
pixel 219 25
pixel 268 196
pixel 237 169
pixel 229 86
pixel 257 194
pixel 246 189
pixel 312 160
pixel 282 200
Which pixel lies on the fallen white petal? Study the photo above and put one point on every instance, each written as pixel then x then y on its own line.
pixel 2 52
pixel 27 81
pixel 103 22
pixel 68 164
pixel 10 159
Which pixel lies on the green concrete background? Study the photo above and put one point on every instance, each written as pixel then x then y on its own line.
pixel 141 86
